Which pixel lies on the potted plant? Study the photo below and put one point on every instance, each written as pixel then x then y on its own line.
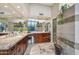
pixel 61 15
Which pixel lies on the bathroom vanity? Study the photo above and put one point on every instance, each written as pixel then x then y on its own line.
pixel 17 45
pixel 3 33
pixel 13 45
pixel 42 37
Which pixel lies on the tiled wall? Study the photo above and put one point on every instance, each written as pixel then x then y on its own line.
pixel 67 50
pixel 67 33
pixel 77 29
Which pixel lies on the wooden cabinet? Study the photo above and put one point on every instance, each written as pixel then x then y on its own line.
pixel 18 49
pixel 42 37
pixel 1 34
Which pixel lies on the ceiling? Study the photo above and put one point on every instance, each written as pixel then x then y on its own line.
pixel 19 10
pixel 47 4
pixel 13 10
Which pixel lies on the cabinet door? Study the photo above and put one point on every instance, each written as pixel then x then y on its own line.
pixel 40 38
pixel 46 38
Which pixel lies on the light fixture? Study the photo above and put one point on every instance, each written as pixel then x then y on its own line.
pixel 5 6
pixel 41 14
pixel 1 12
pixel 18 6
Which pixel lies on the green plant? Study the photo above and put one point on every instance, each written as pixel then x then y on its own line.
pixel 18 26
pixel 39 24
pixel 61 15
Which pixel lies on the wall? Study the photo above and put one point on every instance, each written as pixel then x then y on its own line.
pixel 54 10
pixel 77 29
pixel 66 32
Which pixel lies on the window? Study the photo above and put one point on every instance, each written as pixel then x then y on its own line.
pixel 31 25
pixel 2 27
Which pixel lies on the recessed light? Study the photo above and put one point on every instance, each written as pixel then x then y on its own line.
pixel 18 6
pixel 6 6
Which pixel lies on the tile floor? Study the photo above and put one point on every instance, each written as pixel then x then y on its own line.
pixel 27 52
pixel 32 46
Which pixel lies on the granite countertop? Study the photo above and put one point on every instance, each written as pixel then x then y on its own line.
pixel 39 32
pixel 3 33
pixel 6 43
pixel 43 49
